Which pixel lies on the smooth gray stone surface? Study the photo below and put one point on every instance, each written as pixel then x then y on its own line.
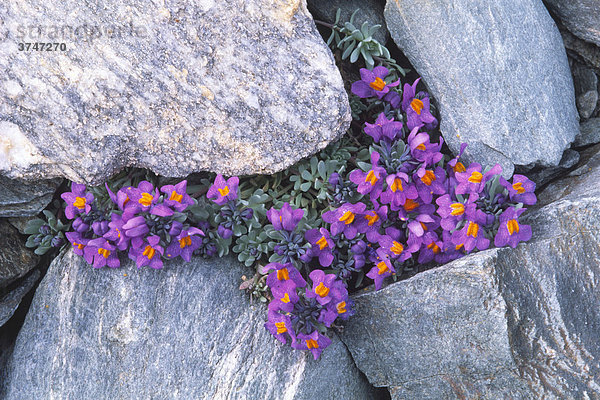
pixel 584 52
pixel 499 73
pixel 582 17
pixel 21 199
pixel 10 301
pixel 236 87
pixel 542 176
pixel 586 89
pixel 589 133
pixel 182 332
pixel 369 10
pixel 505 323
pixel 16 260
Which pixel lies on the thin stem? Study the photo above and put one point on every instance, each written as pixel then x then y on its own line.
pixel 323 23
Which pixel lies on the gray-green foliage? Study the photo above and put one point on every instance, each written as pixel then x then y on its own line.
pixel 359 42
pixel 46 234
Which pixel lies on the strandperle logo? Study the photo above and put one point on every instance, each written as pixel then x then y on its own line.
pixel 84 31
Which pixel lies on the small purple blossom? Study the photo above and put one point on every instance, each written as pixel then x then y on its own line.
pixel 286 218
pixel 383 128
pixel 78 201
pixel 371 181
pixel 521 190
pixel 148 253
pixel 223 191
pixel 322 245
pixel 342 218
pixel 99 252
pixel 510 231
pixel 315 342
pixel 176 196
pixel 77 241
pixel 417 107
pixel 372 83
pixel 185 244
pixel 326 287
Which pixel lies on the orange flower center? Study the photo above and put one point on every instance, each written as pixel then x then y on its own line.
pixel 475 177
pixel 78 245
pixel 285 298
pixel 104 252
pixel 519 187
pixel 311 343
pixel 416 105
pixel 79 202
pixel 224 192
pixel 422 147
pixel 459 167
pixel 434 247
pixel 280 327
pixel 176 196
pixel 457 209
pixel 149 252
pixel 428 178
pixel 186 241
pixel 378 84
pixel 371 178
pixel 473 229
pixel 382 268
pixel 397 248
pixel 322 243
pixel 410 205
pixel 146 199
pixel 341 307
pixel 283 274
pixel 347 218
pixel 372 218
pixel 322 290
pixel 513 226
pixel 397 185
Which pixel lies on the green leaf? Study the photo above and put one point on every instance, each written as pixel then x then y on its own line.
pixel 306 175
pixel 348 51
pixel 33 226
pixel 354 55
pixel 368 59
pixel 42 250
pixel 322 169
pixel 338 14
pixel 305 186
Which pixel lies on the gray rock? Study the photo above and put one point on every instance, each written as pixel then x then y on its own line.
pixel 542 176
pixel 370 10
pixel 584 52
pixel 586 89
pixel 499 73
pixel 236 87
pixel 20 198
pixel 185 331
pixel 505 323
pixel 582 17
pixel 16 260
pixel 589 133
pixel 10 301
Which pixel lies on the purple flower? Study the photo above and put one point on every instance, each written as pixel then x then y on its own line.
pixel 224 232
pixel 222 191
pixel 116 234
pixel 134 226
pixel 371 181
pixel 100 227
pixel 510 231
pixel 422 149
pixel 430 182
pixel 383 128
pixel 322 245
pixel 399 189
pixel 99 253
pixel 371 221
pixel 395 249
pixel 453 211
pixel 473 181
pixel 78 201
pixel 286 218
pixel 325 288
pixel 284 275
pixel 77 241
pixel 80 226
pixel 341 219
pixel 142 197
pixel 187 242
pixel 382 269
pixel 149 253
pixel 521 191
pixel 372 83
pixel 431 248
pixel 416 107
pixel 315 342
pixel 280 326
pixel 472 234
pixel 176 196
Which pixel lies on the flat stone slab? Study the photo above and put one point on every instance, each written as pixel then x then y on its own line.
pixel 499 73
pixel 235 87
pixel 582 17
pixel 22 199
pixel 181 332
pixel 16 260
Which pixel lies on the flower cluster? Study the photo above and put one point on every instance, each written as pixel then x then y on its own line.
pixel 147 223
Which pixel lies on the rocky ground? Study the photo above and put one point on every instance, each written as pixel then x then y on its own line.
pixel 250 87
